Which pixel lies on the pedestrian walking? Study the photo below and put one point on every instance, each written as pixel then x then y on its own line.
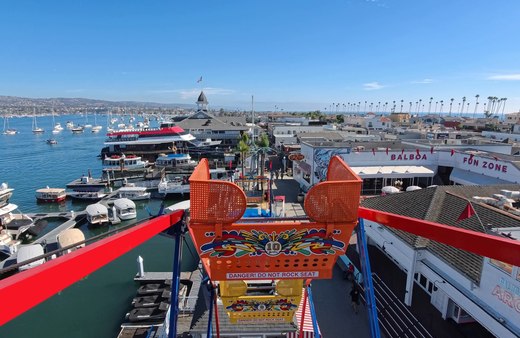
pixel 277 173
pixel 354 297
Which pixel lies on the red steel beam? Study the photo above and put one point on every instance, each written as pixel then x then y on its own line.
pixel 27 289
pixel 492 246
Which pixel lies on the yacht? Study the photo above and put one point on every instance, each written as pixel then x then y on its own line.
pixel 123 162
pixel 150 142
pixel 133 193
pixel 15 224
pixel 5 194
pixel 175 162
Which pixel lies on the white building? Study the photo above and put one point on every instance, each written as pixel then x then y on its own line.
pixel 463 286
pixel 380 164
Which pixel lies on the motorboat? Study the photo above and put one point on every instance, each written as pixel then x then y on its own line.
pixel 5 194
pixel 125 209
pixel 70 125
pixel 133 193
pixel 87 195
pixel 176 162
pixel 176 185
pixel 13 223
pixel 123 162
pixel 77 130
pixel 151 314
pixel 97 214
pixel 147 301
pixel 72 239
pixel 51 141
pixel 96 128
pixel 29 252
pixel 8 245
pixel 51 195
pixel 153 289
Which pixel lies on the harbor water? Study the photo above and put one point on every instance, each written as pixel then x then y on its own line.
pixel 95 306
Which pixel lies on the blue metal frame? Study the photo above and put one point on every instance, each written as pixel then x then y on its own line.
pixel 210 314
pixel 367 277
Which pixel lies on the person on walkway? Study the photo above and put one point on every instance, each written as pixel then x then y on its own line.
pixel 354 297
pixel 349 274
pixel 277 173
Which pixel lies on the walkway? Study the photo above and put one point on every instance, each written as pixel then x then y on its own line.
pixel 331 296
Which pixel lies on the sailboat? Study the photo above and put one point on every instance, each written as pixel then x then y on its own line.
pixel 7 130
pixel 87 125
pixel 96 128
pixel 35 128
pixel 57 126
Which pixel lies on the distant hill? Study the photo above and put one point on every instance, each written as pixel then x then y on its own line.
pixel 15 101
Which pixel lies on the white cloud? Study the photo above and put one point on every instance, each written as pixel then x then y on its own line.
pixel 372 86
pixel 423 81
pixel 505 77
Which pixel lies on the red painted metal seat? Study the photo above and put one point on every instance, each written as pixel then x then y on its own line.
pixel 273 249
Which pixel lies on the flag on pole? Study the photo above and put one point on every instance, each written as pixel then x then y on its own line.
pixel 452 152
pixel 418 152
pixel 467 212
pixel 199 80
pixel 431 150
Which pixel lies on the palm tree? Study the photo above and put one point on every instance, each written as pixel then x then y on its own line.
pixel 436 103
pixel 420 101
pixel 430 105
pixel 490 99
pixel 463 102
pixel 410 109
pixel 503 107
pixel 442 105
pixel 243 148
pixel 476 105
pixel 263 149
pixel 365 109
pixel 451 104
pixel 401 106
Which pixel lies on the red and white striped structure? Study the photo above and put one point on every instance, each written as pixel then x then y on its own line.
pixel 308 329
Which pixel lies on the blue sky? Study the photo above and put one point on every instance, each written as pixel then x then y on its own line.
pixel 292 55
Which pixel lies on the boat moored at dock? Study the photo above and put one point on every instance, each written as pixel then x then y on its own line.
pixel 97 214
pixel 5 194
pixel 175 162
pixel 133 193
pixel 123 162
pixel 14 223
pixel 125 209
pixel 51 195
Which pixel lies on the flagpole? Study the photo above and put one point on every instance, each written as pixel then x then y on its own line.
pixel 480 221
